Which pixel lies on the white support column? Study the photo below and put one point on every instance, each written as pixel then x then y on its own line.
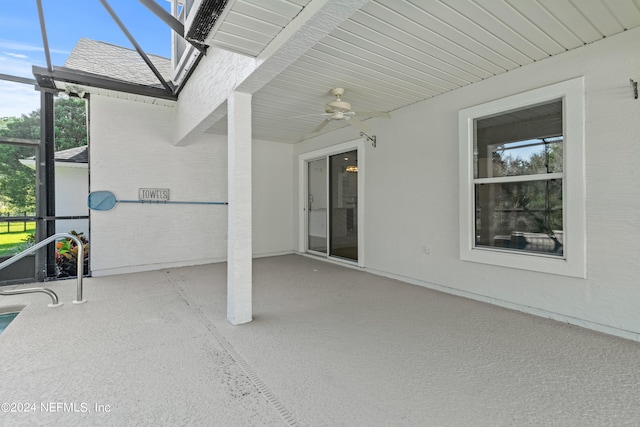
pixel 239 249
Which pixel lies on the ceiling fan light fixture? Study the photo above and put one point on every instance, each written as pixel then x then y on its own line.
pixel 341 110
pixel 339 106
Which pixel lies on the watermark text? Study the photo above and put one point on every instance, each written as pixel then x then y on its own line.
pixel 54 407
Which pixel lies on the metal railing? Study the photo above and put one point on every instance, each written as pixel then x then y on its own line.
pixel 32 249
pixel 54 297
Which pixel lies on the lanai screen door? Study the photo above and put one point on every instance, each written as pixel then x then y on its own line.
pixel 332 211
pixel 18 220
pixel 31 208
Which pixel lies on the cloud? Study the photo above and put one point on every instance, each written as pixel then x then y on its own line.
pixel 17 99
pixel 20 53
pixel 27 47
pixel 16 66
pixel 16 59
pixel 16 55
pixel 22 47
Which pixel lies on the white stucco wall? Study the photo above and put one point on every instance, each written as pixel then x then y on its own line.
pixel 131 148
pixel 412 203
pixel 273 225
pixel 72 188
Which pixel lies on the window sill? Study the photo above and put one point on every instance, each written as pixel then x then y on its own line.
pixel 541 263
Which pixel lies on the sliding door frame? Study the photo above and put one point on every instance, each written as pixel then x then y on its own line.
pixel 303 186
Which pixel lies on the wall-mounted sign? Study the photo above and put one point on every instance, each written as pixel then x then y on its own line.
pixel 153 194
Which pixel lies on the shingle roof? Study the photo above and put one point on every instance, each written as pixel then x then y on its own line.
pixel 73 155
pixel 116 62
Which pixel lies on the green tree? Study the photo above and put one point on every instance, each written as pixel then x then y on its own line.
pixel 538 203
pixel 70 122
pixel 17 182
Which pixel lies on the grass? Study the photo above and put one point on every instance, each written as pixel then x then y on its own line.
pixel 13 240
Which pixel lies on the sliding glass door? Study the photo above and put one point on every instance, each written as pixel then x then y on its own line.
pixel 317 214
pixel 332 211
pixel 343 205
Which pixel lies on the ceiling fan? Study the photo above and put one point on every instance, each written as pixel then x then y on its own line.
pixel 341 110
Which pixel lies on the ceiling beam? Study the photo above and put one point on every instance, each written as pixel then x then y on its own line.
pixel 312 24
pixel 48 79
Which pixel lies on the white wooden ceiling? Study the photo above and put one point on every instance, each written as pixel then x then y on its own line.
pixel 392 53
pixel 251 25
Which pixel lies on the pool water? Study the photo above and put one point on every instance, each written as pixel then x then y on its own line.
pixel 5 319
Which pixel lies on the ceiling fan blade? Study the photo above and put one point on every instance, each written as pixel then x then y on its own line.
pixel 380 114
pixel 358 124
pixel 310 115
pixel 321 125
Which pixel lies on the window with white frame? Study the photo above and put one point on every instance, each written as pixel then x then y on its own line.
pixel 522 181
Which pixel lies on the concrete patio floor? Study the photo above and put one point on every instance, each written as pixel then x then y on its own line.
pixel 329 346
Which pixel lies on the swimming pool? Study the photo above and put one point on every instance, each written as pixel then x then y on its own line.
pixel 5 319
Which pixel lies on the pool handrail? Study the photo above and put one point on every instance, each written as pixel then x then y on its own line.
pixel 31 249
pixel 54 297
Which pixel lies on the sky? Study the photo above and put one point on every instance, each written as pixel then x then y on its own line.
pixel 21 44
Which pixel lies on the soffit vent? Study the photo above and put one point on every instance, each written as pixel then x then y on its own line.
pixel 205 18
